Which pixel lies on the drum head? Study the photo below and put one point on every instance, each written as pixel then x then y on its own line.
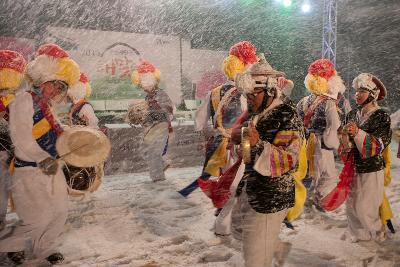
pixel 83 147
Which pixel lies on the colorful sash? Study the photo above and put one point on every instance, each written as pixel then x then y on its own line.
pixel 219 156
pixel 300 189
pixel 45 128
pixel 219 190
pixel 339 194
pixel 216 97
pixel 385 210
pixel 310 153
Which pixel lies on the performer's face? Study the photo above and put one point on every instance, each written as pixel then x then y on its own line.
pixel 54 90
pixel 255 100
pixel 361 96
pixel 148 89
pixel 148 82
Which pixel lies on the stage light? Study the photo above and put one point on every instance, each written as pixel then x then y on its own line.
pixel 287 3
pixel 306 8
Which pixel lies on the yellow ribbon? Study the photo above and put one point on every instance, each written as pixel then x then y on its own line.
pixel 300 189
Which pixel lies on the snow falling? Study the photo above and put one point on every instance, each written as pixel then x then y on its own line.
pixel 131 220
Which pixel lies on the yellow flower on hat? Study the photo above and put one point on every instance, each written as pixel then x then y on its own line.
pixel 316 84
pixel 12 67
pixel 322 78
pixel 233 65
pixel 52 65
pixel 145 71
pixel 81 89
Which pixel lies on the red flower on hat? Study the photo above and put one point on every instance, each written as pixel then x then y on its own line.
pixel 245 51
pixel 12 60
pixel 145 67
pixel 323 68
pixel 83 78
pixel 51 50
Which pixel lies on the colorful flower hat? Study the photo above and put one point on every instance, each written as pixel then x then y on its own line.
pixel 12 68
pixel 81 89
pixel 144 73
pixel 52 63
pixel 240 55
pixel 322 79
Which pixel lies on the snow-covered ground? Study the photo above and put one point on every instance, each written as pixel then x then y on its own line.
pixel 131 221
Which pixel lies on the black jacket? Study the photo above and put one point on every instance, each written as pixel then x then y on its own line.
pixel 271 194
pixel 377 125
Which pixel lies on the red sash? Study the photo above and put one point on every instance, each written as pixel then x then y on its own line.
pixel 339 194
pixel 44 107
pixel 219 190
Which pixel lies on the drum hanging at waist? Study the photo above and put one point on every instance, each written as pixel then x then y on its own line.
pixel 82 180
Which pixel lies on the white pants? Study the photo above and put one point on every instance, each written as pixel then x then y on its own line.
pixel 362 205
pixel 224 219
pixel 41 203
pixel 5 181
pixel 153 147
pixel 260 234
pixel 326 175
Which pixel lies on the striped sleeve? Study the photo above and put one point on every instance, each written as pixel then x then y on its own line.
pixel 368 145
pixel 281 156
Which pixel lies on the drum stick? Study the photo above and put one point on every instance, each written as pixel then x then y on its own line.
pixel 70 152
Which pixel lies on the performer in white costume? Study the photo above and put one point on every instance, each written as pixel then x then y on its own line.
pixel 39 189
pixel 156 120
pixel 321 119
pixel 369 128
pixel 12 68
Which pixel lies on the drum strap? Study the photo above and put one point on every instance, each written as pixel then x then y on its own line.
pixel 74 112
